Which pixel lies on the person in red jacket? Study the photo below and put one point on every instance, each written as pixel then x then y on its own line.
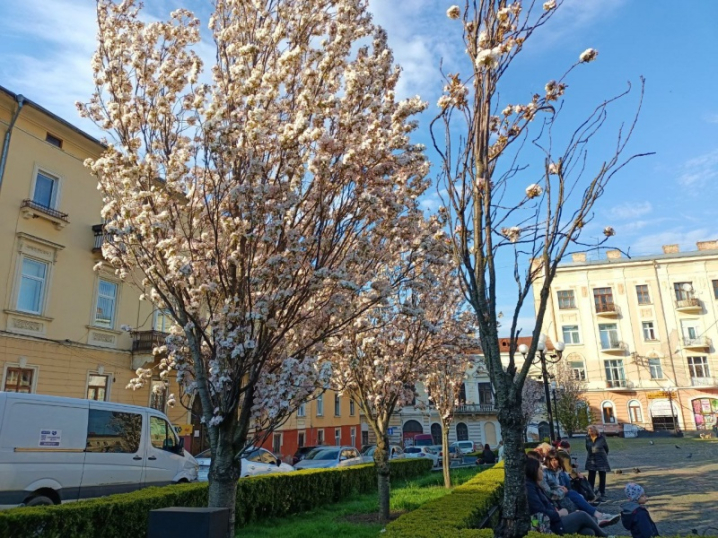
pixel 634 514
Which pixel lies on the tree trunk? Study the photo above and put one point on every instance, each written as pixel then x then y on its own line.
pixel 381 461
pixel 446 460
pixel 515 520
pixel 224 471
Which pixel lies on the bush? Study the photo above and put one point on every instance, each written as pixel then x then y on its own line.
pixel 456 514
pixel 274 495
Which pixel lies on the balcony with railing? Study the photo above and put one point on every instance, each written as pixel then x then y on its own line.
pixel 689 304
pixel 32 210
pixel 700 342
pixel 704 382
pixel 607 310
pixel 143 342
pixel 613 345
pixel 475 409
pixel 619 384
pixel 98 230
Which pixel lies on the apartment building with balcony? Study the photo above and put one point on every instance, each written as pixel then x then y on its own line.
pixel 60 321
pixel 641 333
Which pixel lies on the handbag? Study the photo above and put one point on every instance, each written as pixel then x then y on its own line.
pixel 540 522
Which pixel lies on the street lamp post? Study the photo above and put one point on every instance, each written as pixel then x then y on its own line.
pixel 543 359
pixel 554 387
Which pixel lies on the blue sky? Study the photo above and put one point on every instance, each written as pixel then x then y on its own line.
pixel 667 198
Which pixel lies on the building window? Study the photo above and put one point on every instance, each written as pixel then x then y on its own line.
pixel 352 408
pixel 353 436
pixel 158 395
pixel 609 417
pixel 32 286
pixel 113 431
pixel 698 367
pixel 578 369
pixel 715 288
pixel 105 308
pixel 300 439
pixel 634 412
pixel 52 139
pixel 436 433
pixel 337 436
pixel 603 298
pixel 655 367
pixel 649 332
pixel 162 321
pixel 615 377
pixel 608 333
pixel 320 437
pixel 320 405
pixel 97 387
pixel 486 394
pixel 462 432
pixel 570 334
pixel 462 394
pixel 277 443
pixel 566 299
pixel 337 405
pixel 642 294
pixel 302 410
pixel 46 189
pixel 683 290
pixel 19 379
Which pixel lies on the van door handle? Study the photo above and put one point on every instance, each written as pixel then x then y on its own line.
pixel 137 458
pixel 152 458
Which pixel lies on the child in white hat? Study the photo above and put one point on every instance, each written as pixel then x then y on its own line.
pixel 634 514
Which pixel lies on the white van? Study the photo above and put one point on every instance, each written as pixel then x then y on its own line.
pixel 55 450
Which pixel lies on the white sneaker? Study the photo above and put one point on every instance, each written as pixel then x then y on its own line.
pixel 608 519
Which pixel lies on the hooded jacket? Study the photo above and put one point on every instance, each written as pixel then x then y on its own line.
pixel 635 518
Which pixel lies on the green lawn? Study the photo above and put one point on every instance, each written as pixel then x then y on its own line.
pixel 332 520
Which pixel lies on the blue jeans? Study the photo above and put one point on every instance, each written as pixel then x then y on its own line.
pixel 580 502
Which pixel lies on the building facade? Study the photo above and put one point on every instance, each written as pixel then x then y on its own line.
pixel 60 321
pixel 641 333
pixel 330 419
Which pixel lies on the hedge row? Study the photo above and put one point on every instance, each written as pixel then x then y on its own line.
pixel 274 495
pixel 457 514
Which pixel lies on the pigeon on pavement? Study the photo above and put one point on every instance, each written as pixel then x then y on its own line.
pixel 636 470
pixel 618 471
pixel 651 443
pixel 689 456
pixel 677 446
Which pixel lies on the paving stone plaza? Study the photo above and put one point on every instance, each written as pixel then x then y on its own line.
pixel 682 483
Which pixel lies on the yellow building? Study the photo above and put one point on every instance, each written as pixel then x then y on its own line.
pixel 641 332
pixel 60 321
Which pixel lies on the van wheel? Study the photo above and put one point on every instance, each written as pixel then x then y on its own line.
pixel 39 500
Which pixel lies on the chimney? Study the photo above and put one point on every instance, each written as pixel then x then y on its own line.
pixel 578 257
pixel 707 245
pixel 671 249
pixel 613 254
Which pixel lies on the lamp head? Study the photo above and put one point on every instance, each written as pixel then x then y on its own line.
pixel 559 346
pixel 541 346
pixel 523 349
pixel 542 337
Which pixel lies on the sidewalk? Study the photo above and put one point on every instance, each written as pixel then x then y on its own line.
pixel 683 492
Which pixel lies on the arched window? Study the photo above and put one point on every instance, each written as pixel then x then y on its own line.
pixel 635 415
pixel 412 426
pixel 608 413
pixel 436 433
pixel 462 432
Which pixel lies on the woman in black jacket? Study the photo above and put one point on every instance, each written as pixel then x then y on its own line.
pixel 561 521
pixel 597 460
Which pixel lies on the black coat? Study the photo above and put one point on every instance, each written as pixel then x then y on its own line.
pixel 597 457
pixel 539 503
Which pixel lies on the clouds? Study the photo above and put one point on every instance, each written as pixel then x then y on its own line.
pixel 629 210
pixel 687 239
pixel 701 170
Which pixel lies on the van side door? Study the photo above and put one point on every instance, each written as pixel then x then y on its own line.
pixel 115 453
pixel 165 456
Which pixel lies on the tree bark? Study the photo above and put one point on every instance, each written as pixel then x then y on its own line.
pixel 515 520
pixel 381 462
pixel 446 460
pixel 224 472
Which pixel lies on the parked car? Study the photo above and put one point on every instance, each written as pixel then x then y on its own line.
pixel 395 453
pixel 302 452
pixel 327 457
pixel 65 449
pixel 255 462
pixel 422 452
pixel 467 447
pixel 455 454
